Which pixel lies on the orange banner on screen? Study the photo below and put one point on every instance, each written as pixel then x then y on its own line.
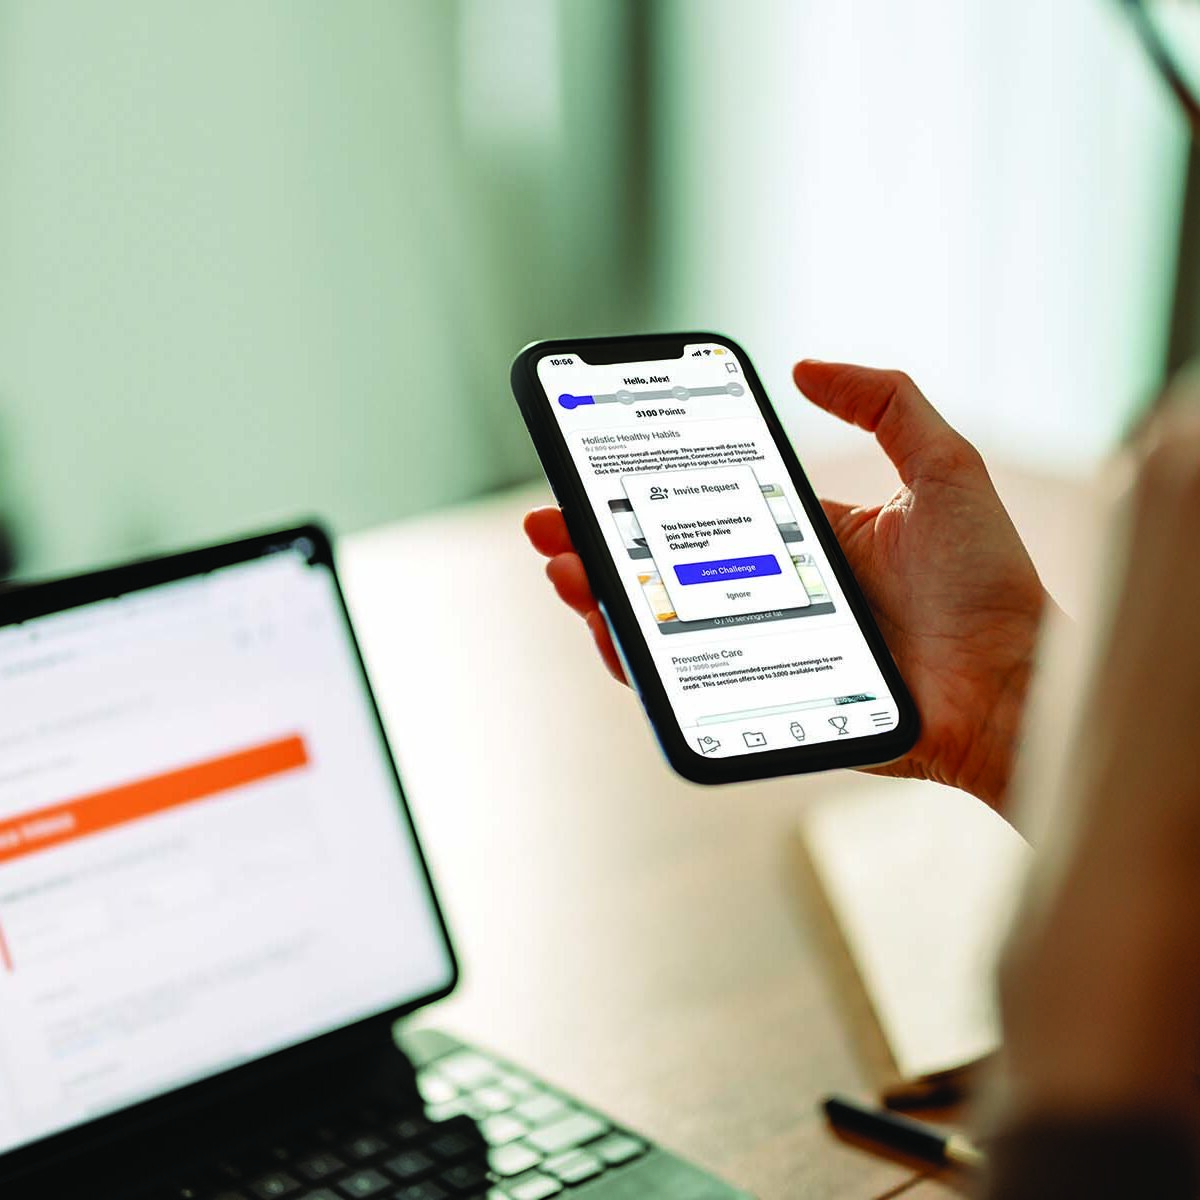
pixel 47 827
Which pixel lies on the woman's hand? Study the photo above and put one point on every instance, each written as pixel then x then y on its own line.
pixel 947 577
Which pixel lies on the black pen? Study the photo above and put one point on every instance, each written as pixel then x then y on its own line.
pixel 903 1134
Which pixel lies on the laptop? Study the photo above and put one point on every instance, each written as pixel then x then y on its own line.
pixel 214 908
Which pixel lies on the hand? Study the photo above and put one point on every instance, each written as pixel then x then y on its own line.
pixel 1101 983
pixel 955 594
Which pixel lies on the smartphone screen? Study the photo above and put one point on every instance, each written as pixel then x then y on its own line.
pixel 744 616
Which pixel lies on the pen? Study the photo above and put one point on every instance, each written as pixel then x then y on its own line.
pixel 895 1132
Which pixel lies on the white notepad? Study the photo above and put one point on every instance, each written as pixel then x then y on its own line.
pixel 920 881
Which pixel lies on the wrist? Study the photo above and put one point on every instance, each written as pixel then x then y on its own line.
pixel 993 742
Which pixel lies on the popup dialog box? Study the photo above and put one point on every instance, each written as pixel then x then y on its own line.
pixel 715 542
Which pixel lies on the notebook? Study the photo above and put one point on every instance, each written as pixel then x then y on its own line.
pixel 915 884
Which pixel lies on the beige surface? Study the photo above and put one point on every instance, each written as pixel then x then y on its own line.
pixel 639 940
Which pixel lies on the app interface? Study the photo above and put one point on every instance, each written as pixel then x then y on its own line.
pixel 203 857
pixel 750 632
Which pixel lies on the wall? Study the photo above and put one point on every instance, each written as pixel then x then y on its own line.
pixel 245 274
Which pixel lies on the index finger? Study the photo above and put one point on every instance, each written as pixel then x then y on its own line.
pixel 911 432
pixel 547 531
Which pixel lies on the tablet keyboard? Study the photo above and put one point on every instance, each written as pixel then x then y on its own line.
pixel 486 1130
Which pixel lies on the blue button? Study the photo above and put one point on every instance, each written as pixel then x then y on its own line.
pixel 568 401
pixel 727 570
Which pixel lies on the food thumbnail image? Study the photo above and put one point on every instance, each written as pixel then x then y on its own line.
pixel 629 529
pixel 657 598
pixel 781 510
pixel 811 577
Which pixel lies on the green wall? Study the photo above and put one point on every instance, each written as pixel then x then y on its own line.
pixel 244 272
pixel 265 258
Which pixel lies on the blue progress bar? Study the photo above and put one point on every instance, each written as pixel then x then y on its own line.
pixel 624 396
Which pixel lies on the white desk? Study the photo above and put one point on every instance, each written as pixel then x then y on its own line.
pixel 634 938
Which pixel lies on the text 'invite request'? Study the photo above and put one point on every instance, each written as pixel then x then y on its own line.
pixel 716 542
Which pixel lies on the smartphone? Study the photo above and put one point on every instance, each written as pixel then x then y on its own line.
pixel 733 609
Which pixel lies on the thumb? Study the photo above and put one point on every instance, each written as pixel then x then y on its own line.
pixel 911 432
pixel 837 511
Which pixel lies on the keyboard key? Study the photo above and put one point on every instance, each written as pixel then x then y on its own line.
pixel 493 1099
pixel 474 1110
pixel 517 1084
pixel 573 1167
pixel 438 1113
pixel 316 1167
pixel 467 1069
pixel 364 1183
pixel 435 1089
pixel 618 1148
pixel 513 1159
pixel 421 1191
pixel 454 1144
pixel 410 1165
pixel 541 1107
pixel 275 1185
pixel 499 1130
pixel 464 1177
pixel 409 1128
pixel 366 1145
pixel 572 1130
pixel 533 1187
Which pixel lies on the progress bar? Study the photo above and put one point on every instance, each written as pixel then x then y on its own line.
pixel 775 709
pixel 675 393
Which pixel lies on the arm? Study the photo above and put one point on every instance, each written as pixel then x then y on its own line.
pixel 1101 984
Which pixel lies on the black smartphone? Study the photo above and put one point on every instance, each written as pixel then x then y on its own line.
pixel 731 605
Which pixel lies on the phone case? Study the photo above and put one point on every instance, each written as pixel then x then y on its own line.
pixel 583 525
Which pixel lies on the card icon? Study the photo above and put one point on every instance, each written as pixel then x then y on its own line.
pixel 716 542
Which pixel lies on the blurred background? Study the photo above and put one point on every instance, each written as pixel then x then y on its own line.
pixel 269 258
